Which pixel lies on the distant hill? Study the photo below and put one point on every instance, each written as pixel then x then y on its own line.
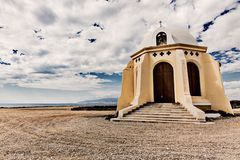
pixel 99 102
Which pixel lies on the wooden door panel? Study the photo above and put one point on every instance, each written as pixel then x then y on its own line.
pixel 163 83
pixel 193 79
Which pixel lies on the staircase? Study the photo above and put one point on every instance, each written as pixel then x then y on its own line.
pixel 160 113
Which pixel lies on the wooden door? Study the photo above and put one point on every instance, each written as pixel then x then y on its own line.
pixel 194 79
pixel 163 83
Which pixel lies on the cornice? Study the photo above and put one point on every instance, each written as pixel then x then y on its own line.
pixel 169 47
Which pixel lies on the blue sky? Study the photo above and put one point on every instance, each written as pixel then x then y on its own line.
pixel 73 50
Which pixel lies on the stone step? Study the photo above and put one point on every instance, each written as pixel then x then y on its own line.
pixel 163 104
pixel 160 117
pixel 149 107
pixel 161 110
pixel 154 121
pixel 162 113
pixel 177 108
pixel 167 106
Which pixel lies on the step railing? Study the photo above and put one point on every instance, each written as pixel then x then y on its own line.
pixel 128 109
pixel 196 112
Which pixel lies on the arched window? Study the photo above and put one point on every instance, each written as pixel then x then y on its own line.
pixel 161 38
pixel 194 79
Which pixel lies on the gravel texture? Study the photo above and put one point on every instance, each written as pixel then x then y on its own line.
pixel 59 133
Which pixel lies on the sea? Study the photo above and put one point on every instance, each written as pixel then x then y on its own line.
pixel 30 105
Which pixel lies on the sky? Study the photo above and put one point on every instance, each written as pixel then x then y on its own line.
pixel 62 51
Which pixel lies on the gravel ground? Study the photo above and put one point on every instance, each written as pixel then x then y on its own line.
pixel 58 133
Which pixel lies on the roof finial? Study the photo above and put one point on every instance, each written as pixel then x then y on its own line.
pixel 160 22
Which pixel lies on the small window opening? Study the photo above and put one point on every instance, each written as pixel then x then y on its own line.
pixel 161 38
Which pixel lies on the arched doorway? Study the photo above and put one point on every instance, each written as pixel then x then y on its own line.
pixel 163 83
pixel 194 79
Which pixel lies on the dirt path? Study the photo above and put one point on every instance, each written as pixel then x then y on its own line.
pixel 64 134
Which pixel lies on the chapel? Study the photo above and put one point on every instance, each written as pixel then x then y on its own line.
pixel 171 79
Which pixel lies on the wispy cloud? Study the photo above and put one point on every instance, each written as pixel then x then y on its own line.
pixel 208 24
pixel 227 56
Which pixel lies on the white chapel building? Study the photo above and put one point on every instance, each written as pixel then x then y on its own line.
pixel 169 73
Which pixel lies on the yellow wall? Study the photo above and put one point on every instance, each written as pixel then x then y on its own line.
pixel 127 87
pixel 214 87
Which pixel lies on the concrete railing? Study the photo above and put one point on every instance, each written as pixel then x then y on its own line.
pixel 126 110
pixel 196 112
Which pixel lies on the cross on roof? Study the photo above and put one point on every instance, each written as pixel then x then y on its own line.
pixel 160 22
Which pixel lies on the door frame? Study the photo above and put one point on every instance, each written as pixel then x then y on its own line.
pixel 193 87
pixel 174 78
pixel 201 77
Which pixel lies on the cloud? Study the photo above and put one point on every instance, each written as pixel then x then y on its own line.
pixel 232 89
pixel 111 78
pixel 4 63
pixel 50 69
pixel 42 53
pixel 231 76
pixel 207 25
pixel 226 11
pixel 224 33
pixel 231 67
pixel 68 30
pixel 45 15
pixel 227 56
pixel 98 25
pixel 174 4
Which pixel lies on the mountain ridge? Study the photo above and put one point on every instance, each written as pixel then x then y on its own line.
pixel 99 102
